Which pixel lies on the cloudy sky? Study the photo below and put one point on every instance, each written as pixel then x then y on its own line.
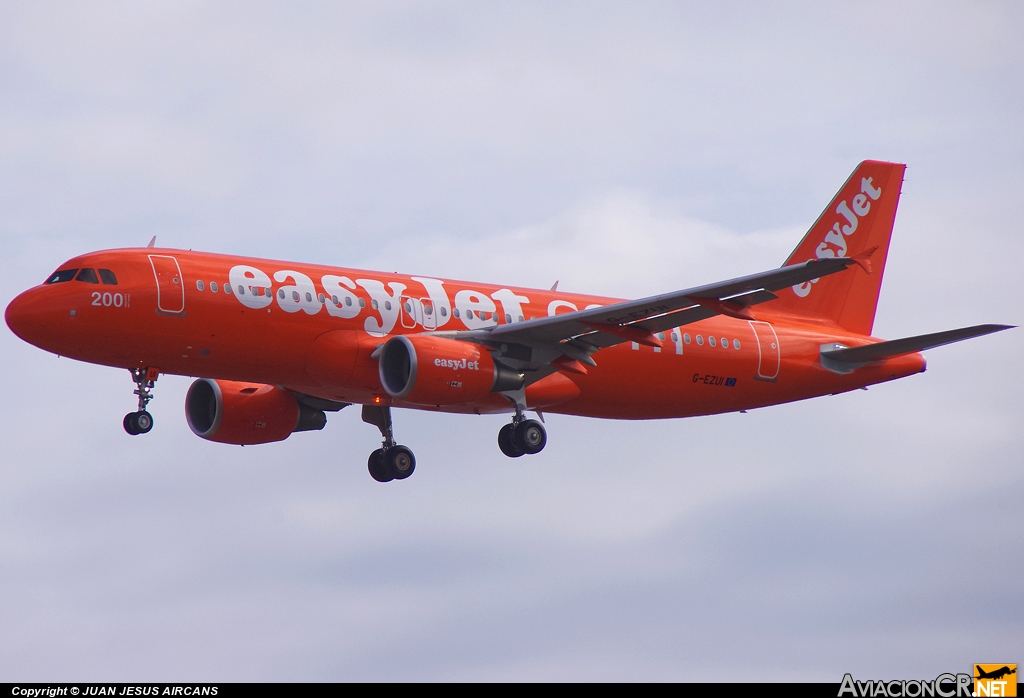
pixel 621 148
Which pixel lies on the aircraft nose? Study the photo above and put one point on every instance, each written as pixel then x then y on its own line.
pixel 15 315
pixel 24 315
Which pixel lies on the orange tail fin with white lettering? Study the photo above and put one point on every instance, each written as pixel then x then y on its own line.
pixel 858 223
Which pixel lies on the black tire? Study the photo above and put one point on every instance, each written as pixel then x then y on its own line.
pixel 400 461
pixel 143 422
pixel 129 424
pixel 378 470
pixel 506 442
pixel 530 436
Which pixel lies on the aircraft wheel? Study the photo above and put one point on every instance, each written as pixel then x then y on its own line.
pixel 530 436
pixel 506 442
pixel 129 424
pixel 143 422
pixel 378 471
pixel 401 461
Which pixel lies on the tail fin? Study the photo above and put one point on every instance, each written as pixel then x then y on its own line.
pixel 859 218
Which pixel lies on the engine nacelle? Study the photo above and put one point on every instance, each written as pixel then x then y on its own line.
pixel 427 370
pixel 246 413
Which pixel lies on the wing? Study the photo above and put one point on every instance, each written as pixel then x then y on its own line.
pixel 535 343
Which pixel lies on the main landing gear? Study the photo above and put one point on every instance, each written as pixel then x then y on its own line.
pixel 141 421
pixel 391 461
pixel 522 436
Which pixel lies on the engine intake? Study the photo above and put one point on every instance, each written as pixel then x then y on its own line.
pixel 246 413
pixel 427 370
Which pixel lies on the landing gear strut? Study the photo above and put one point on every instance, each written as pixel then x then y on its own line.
pixel 522 436
pixel 141 421
pixel 391 461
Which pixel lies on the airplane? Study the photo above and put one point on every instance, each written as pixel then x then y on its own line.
pixel 996 674
pixel 275 346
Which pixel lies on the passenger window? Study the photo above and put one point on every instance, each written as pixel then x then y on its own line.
pixel 674 337
pixel 469 314
pixel 107 277
pixel 373 304
pixel 700 339
pixel 199 285
pixel 227 288
pixel 348 300
pixel 725 343
pixel 686 337
pixel 711 341
pixel 735 344
pixel 362 303
pixel 59 277
pixel 444 312
pixel 309 297
pixel 213 286
pixel 508 318
pixel 320 297
pixel 455 312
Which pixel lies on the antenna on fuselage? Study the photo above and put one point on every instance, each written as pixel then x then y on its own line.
pixel 554 286
pixel 152 243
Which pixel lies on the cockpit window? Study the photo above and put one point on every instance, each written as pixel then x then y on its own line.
pixel 88 276
pixel 59 277
pixel 108 277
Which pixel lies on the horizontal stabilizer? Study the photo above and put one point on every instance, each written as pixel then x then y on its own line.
pixel 907 345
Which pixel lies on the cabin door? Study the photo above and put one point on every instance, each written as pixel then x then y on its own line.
pixel 170 288
pixel 769 359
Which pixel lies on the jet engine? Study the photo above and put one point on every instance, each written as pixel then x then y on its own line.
pixel 246 413
pixel 427 370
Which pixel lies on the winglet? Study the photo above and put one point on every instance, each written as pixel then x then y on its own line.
pixel 152 243
pixel 862 260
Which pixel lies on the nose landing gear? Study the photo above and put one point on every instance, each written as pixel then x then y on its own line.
pixel 391 461
pixel 141 421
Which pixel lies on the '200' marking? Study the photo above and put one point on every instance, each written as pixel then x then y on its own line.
pixel 110 299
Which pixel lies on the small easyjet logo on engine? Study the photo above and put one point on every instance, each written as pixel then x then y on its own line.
pixel 457 364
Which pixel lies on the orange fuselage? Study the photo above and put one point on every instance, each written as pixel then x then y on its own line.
pixel 313 329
